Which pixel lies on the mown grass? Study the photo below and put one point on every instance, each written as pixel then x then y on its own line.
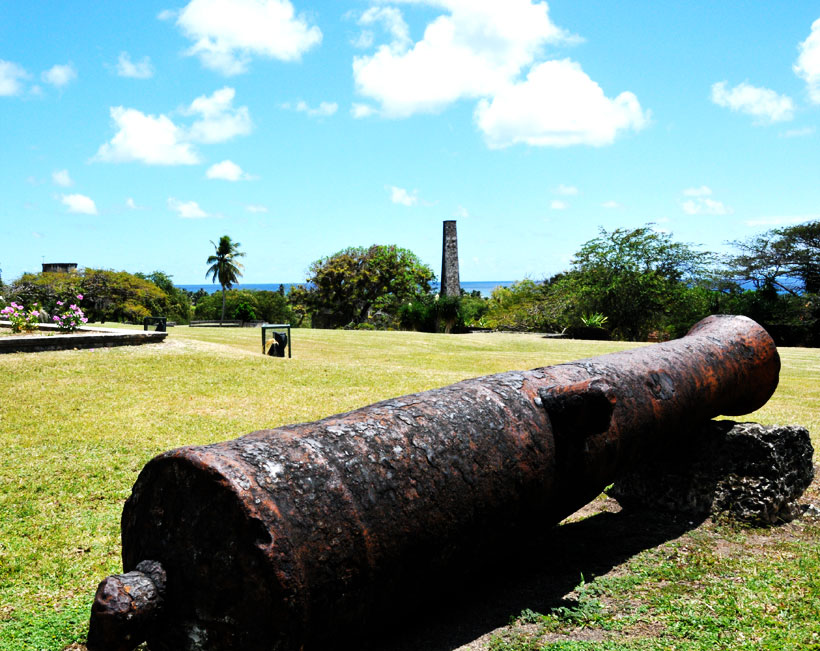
pixel 77 426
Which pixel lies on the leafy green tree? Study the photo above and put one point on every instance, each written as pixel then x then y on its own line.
pixel 178 304
pixel 784 259
pixel 427 312
pixel 120 296
pixel 45 289
pixel 523 306
pixel 298 300
pixel 225 266
pixel 639 279
pixel 354 285
pixel 265 305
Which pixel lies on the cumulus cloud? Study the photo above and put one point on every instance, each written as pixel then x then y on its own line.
pixel 218 119
pixel 567 190
pixel 227 171
pixel 11 77
pixel 610 205
pixel 557 105
pixel 59 75
pixel 701 203
pixel 325 109
pixel 807 65
pixel 558 205
pixel 490 52
pixel 131 204
pixel 62 178
pixel 391 20
pixel 781 221
pixel 186 209
pixel 256 208
pixel 402 196
pixel 79 203
pixel 227 34
pixel 762 103
pixel 150 139
pixel 799 133
pixel 135 70
pixel 158 140
pixel 702 191
pixel 470 52
pixel 359 111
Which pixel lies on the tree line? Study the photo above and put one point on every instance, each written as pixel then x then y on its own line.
pixel 632 284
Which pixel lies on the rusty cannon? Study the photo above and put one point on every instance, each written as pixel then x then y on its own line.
pixel 283 538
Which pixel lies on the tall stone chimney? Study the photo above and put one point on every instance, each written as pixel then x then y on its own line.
pixel 450 285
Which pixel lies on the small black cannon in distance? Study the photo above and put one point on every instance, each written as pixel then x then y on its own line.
pixel 282 538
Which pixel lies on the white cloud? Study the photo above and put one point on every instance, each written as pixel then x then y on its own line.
pixel 135 70
pixel 705 206
pixel 158 140
pixel 11 76
pixel 402 196
pixel 154 140
pixel 219 120
pixel 557 105
pixel 227 171
pixel 611 205
pixel 131 204
pixel 799 133
pixel 558 205
pixel 764 104
pixel 392 22
pixel 59 75
pixel 186 209
pixel 473 51
pixel 567 190
pixel 807 65
pixel 781 221
pixel 79 203
pixel 227 34
pixel 256 208
pixel 700 202
pixel 362 110
pixel 702 191
pixel 325 109
pixel 462 212
pixel 62 178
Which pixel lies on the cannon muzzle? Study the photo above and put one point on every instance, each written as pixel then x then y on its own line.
pixel 283 538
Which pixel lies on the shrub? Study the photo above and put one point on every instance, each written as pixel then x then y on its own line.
pixel 244 312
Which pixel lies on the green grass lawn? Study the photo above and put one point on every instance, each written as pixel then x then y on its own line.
pixel 77 426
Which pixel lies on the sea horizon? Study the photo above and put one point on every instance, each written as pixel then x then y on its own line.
pixel 484 287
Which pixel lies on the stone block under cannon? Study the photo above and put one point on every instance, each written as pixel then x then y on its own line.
pixel 283 539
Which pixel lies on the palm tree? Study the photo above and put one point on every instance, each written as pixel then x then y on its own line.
pixel 224 266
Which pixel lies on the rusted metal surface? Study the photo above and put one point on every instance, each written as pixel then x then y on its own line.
pixel 283 538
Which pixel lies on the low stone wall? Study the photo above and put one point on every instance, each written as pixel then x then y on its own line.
pixel 746 471
pixel 47 337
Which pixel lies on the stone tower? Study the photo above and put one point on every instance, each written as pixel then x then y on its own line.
pixel 450 285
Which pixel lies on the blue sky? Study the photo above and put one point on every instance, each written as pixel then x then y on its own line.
pixel 133 133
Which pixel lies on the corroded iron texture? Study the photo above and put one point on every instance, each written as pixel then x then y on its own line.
pixel 283 538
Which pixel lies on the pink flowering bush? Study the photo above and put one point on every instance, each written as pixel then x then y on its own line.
pixel 21 321
pixel 71 318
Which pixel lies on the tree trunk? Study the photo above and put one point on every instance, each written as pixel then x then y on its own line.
pixel 222 318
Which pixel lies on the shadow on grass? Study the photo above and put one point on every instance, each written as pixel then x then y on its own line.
pixel 534 574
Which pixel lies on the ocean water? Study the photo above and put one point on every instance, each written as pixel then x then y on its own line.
pixel 485 287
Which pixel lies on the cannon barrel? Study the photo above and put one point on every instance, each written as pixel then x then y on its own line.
pixel 282 538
